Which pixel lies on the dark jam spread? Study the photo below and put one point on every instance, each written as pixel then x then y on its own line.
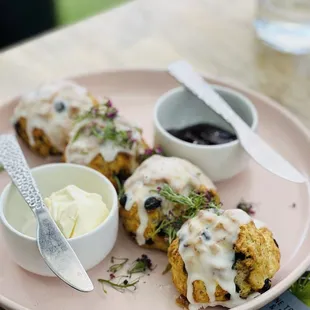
pixel 204 134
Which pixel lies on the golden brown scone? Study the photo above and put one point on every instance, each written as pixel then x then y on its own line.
pixel 155 240
pixel 122 167
pixel 131 223
pixel 256 260
pixel 141 192
pixel 179 278
pixel 43 118
pixel 107 143
pixel 42 144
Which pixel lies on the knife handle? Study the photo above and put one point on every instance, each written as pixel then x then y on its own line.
pixel 14 162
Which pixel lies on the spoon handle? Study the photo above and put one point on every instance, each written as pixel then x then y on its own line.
pixel 15 164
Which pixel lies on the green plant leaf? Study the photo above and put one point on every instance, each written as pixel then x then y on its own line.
pixel 301 288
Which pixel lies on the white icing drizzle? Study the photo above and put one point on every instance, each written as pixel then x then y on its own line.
pixel 157 170
pixel 87 146
pixel 38 108
pixel 206 247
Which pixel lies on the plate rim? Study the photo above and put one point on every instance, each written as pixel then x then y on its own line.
pixel 283 285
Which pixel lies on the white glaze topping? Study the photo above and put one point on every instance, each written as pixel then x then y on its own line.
pixel 83 149
pixel 206 247
pixel 181 175
pixel 39 108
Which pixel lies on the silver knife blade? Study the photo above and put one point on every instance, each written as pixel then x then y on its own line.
pixel 58 254
pixel 258 149
pixel 53 246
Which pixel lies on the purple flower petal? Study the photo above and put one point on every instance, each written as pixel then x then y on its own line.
pixel 158 150
pixel 109 103
pixel 111 113
pixel 148 152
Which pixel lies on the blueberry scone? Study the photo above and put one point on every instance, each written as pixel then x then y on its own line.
pixel 222 258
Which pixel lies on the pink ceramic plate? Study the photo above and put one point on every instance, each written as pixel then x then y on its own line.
pixel 282 205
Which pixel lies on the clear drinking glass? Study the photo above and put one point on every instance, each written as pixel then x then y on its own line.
pixel 284 24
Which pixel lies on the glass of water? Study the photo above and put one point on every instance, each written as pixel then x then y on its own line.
pixel 284 24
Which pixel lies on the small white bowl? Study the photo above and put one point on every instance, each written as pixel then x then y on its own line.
pixel 179 108
pixel 90 248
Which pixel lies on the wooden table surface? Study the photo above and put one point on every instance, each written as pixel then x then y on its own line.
pixel 216 36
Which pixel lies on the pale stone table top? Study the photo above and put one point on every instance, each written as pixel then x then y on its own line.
pixel 216 36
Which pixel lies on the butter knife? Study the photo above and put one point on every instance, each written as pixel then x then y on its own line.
pixel 53 246
pixel 258 149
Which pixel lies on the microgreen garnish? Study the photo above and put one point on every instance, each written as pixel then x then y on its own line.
pixel 141 264
pixel 77 134
pixel 120 187
pixel 117 266
pixel 169 228
pixel 105 132
pixel 157 150
pixel 121 285
pixel 301 288
pixel 247 207
pixel 105 111
pixel 174 220
pixel 110 132
pixel 193 200
pixel 101 124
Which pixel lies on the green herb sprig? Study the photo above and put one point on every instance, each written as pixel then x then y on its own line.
pixel 110 132
pixel 107 113
pixel 141 264
pixel 301 288
pixel 123 282
pixel 107 132
pixel 194 202
pixel 120 286
pixel 104 110
pixel 117 266
pixel 120 187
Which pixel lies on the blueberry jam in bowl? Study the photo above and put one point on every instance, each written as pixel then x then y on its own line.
pixel 186 127
pixel 204 134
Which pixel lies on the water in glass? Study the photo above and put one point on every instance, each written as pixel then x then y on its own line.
pixel 284 24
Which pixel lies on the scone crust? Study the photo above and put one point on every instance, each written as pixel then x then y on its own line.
pixel 257 259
